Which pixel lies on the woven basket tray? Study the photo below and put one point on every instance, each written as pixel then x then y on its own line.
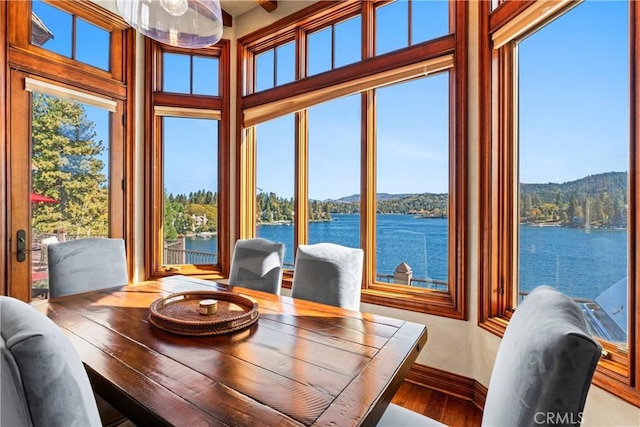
pixel 178 313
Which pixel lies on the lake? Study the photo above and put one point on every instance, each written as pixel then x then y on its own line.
pixel 578 263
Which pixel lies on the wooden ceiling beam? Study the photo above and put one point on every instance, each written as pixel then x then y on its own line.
pixel 268 5
pixel 227 19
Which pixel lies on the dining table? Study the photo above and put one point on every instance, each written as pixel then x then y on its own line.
pixel 299 363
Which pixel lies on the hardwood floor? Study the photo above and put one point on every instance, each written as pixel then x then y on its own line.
pixel 449 410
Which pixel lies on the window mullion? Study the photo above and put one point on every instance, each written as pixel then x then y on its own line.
pixel 368 184
pixel 301 189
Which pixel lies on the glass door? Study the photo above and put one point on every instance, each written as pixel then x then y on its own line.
pixel 64 182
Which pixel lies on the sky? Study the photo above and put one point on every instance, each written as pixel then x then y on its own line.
pixel 574 118
pixel 573 108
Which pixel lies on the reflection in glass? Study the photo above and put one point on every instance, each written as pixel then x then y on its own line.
pixel 69 36
pixel 412 183
pixel 274 182
pixel 190 177
pixel 51 28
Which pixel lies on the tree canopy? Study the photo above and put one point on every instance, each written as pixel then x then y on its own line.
pixel 67 166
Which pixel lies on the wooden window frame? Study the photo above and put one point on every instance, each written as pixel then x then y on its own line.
pixel 616 373
pixel 22 50
pixel 18 54
pixel 450 304
pixel 185 105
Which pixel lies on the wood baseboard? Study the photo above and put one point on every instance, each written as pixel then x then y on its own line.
pixel 448 383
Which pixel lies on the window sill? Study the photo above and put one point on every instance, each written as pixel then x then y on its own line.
pixel 427 302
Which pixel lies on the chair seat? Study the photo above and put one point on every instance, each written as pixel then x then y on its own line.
pixel 397 416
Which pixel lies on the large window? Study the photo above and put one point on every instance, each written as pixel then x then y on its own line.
pixel 374 147
pixel 275 140
pixel 187 158
pixel 190 182
pixel 412 182
pixel 334 172
pixel 563 161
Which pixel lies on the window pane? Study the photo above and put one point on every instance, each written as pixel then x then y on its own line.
pixel 176 73
pixel 285 56
pixel 264 70
pixel 190 177
pixel 392 27
pixel 92 44
pixel 429 19
pixel 51 28
pixel 205 76
pixel 334 172
pixel 573 161
pixel 348 35
pixel 275 182
pixel 319 51
pixel 70 177
pixel 413 182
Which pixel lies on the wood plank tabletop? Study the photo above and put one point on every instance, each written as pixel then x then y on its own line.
pixel 301 363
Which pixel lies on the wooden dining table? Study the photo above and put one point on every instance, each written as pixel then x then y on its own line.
pixel 301 363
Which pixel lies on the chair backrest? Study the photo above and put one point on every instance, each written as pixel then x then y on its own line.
pixel 43 379
pixel 328 273
pixel 85 265
pixel 544 364
pixel 257 264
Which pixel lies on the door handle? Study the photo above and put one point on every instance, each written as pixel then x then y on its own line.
pixel 22 246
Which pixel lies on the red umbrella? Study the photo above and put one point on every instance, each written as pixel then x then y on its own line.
pixel 37 198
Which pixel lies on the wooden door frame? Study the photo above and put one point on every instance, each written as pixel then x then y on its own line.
pixel 18 167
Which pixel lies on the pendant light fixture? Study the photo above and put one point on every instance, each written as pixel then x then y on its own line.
pixel 183 23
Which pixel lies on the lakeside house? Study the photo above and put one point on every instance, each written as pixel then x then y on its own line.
pixel 256 106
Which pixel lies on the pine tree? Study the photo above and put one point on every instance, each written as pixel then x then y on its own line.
pixel 68 168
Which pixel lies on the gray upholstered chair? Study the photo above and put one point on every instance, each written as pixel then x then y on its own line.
pixel 43 380
pixel 328 273
pixel 257 264
pixel 545 364
pixel 85 265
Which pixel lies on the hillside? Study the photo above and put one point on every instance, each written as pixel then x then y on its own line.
pixel 600 200
pixel 592 185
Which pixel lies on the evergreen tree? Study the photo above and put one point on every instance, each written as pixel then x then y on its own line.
pixel 68 168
